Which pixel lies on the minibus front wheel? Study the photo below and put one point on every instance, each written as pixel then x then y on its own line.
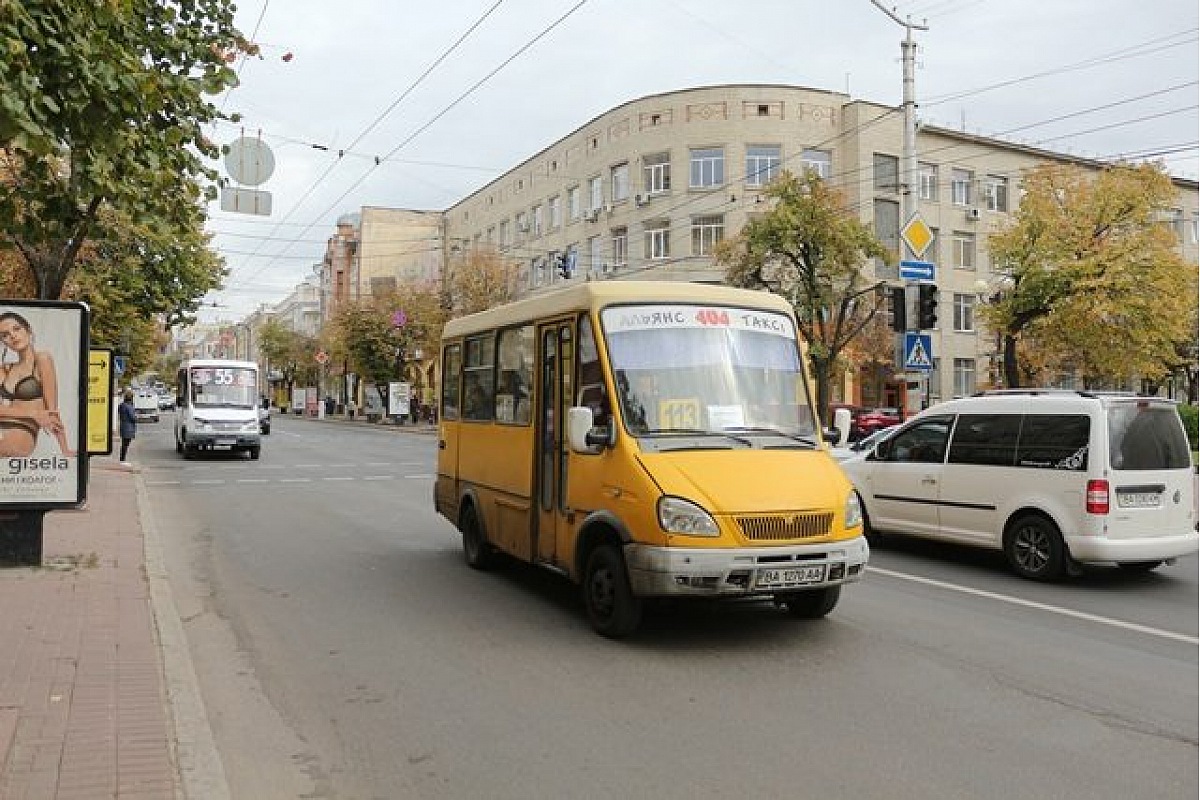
pixel 813 604
pixel 612 607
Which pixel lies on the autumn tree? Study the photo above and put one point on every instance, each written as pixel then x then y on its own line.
pixel 810 247
pixel 478 281
pixel 290 352
pixel 1092 274
pixel 102 106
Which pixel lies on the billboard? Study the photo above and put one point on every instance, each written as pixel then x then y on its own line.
pixel 101 384
pixel 43 404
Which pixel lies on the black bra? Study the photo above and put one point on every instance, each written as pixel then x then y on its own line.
pixel 28 388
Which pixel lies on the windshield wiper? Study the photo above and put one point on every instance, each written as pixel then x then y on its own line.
pixel 808 440
pixel 694 432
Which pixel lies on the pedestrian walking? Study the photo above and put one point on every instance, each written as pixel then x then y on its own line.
pixel 128 419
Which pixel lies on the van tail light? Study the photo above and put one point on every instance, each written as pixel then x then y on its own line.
pixel 1097 497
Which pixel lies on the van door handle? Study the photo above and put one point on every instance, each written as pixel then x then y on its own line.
pixel 929 479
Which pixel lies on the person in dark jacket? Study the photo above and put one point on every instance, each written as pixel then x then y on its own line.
pixel 128 419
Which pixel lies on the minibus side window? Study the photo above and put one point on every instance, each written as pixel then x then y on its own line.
pixel 988 439
pixel 1054 441
pixel 479 392
pixel 515 384
pixel 591 391
pixel 451 364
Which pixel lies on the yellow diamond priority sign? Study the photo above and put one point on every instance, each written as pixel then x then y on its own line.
pixel 917 235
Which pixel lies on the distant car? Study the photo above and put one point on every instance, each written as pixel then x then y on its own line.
pixel 166 401
pixel 877 419
pixel 264 417
pixel 145 405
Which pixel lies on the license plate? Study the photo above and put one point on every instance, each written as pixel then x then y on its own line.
pixel 226 442
pixel 790 576
pixel 1139 499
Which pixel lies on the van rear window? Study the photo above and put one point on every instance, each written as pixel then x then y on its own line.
pixel 1054 441
pixel 1146 436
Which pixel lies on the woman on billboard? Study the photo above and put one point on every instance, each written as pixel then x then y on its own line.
pixel 28 391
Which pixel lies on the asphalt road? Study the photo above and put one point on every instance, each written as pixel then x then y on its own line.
pixel 345 651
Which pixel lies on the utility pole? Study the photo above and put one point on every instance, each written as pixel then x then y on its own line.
pixel 908 167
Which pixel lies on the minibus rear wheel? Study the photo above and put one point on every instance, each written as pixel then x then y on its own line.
pixel 812 604
pixel 612 607
pixel 477 552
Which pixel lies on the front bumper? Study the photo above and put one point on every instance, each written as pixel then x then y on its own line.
pixel 223 439
pixel 734 572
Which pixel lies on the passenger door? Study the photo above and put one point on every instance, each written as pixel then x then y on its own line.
pixel 556 359
pixel 902 481
pixel 980 467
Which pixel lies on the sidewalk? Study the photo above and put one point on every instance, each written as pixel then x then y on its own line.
pixel 83 708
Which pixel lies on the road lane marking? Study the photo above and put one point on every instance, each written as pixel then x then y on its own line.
pixel 209 481
pixel 295 480
pixel 379 477
pixel 252 480
pixel 339 478
pixel 416 477
pixel 163 483
pixel 1017 601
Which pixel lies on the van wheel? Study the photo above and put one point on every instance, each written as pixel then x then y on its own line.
pixel 812 605
pixel 612 608
pixel 1034 548
pixel 477 552
pixel 1139 566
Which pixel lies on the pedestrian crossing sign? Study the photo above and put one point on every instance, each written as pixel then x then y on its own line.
pixel 918 352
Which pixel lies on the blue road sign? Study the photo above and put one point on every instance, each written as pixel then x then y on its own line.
pixel 916 270
pixel 918 352
pixel 118 365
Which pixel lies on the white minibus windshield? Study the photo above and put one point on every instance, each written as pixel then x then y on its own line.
pixel 223 387
pixel 683 367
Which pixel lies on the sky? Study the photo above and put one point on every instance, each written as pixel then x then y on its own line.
pixel 387 103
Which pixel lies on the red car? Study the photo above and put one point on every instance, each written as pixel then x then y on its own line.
pixel 864 422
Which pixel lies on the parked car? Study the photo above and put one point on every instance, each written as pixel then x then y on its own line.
pixel 166 400
pixel 864 422
pixel 1051 478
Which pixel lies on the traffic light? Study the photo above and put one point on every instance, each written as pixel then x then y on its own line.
pixel 898 303
pixel 927 300
pixel 562 263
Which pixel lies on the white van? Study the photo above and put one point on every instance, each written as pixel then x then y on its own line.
pixel 1053 478
pixel 217 401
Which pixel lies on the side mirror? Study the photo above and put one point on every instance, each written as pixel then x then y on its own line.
pixel 881 451
pixel 832 436
pixel 582 434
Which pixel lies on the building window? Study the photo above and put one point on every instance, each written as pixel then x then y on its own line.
pixel 620 182
pixel 762 164
pixel 995 193
pixel 964 250
pixel 538 220
pixel 960 187
pixel 658 241
pixel 964 377
pixel 522 225
pixel 595 194
pixel 819 161
pixel 505 234
pixel 887 173
pixel 927 181
pixel 656 173
pixel 708 168
pixel 595 255
pixel 964 313
pixel 935 382
pixel 620 247
pixel 574 210
pixel 934 251
pixel 706 232
pixel 537 271
pixel 555 213
pixel 491 234
pixel 887 231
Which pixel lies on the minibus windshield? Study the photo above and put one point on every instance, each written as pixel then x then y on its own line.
pixel 697 369
pixel 223 387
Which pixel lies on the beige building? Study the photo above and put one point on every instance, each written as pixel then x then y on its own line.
pixel 646 189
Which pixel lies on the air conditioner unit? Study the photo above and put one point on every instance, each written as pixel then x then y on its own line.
pixel 641 199
pixel 973 213
pixel 608 208
pixel 592 215
pixel 523 227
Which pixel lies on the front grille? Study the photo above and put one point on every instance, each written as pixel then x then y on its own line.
pixel 780 527
pixel 228 426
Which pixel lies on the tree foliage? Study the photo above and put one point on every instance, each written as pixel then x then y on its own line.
pixel 292 353
pixel 479 281
pixel 101 107
pixel 1094 280
pixel 810 248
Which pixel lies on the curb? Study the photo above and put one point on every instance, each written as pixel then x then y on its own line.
pixel 200 772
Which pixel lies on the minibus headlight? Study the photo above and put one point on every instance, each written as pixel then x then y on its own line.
pixel 677 515
pixel 853 511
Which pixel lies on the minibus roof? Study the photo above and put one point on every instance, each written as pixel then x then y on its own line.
pixel 602 293
pixel 227 363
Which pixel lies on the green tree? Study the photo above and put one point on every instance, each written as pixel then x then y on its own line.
pixel 1094 278
pixel 290 352
pixel 810 248
pixel 102 105
pixel 364 335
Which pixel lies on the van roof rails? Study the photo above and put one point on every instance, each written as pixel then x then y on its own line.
pixel 1034 391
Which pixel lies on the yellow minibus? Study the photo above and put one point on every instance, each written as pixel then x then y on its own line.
pixel 645 439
